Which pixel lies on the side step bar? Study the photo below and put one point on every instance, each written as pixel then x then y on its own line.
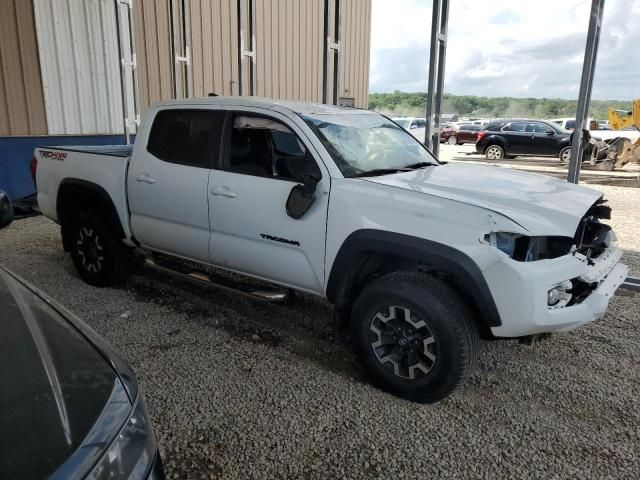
pixel 203 278
pixel 631 283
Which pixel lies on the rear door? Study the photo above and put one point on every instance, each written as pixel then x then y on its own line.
pixel 168 179
pixel 518 140
pixel 473 133
pixel 263 154
pixel 467 133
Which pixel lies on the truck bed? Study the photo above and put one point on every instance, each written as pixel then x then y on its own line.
pixel 101 167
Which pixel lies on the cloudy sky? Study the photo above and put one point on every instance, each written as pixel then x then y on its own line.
pixel 519 48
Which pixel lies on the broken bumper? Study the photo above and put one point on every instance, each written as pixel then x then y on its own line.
pixel 521 294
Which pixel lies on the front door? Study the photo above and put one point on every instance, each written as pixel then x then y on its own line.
pixel 544 143
pixel 168 179
pixel 251 231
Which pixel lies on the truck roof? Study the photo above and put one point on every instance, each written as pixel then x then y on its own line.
pixel 294 106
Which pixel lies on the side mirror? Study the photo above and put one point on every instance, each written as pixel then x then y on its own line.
pixel 302 197
pixel 551 132
pixel 6 210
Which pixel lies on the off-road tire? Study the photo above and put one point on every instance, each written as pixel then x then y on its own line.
pixel 449 321
pixel 100 257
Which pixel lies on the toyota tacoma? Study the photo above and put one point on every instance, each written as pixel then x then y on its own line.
pixel 420 259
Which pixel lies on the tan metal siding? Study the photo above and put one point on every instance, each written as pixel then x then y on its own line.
pixel 22 109
pixel 214 47
pixel 152 29
pixel 355 34
pixel 289 49
pixel 289 45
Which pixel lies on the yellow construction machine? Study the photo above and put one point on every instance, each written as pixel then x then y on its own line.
pixel 622 150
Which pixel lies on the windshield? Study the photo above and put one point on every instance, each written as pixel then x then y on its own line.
pixel 368 143
pixel 403 122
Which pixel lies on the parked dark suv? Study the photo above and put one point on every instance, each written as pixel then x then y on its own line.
pixel 511 137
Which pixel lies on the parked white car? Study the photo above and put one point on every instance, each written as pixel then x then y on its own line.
pixel 420 259
pixel 415 126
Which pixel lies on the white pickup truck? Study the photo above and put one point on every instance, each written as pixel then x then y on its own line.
pixel 419 258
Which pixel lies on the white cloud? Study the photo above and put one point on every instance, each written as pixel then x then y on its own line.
pixel 507 47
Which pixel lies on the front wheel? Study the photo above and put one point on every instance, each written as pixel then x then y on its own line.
pixel 494 152
pixel 414 335
pixel 565 154
pixel 452 140
pixel 99 256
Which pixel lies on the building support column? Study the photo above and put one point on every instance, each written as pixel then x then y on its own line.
pixel 588 69
pixel 437 57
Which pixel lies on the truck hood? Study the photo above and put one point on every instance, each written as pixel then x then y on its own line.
pixel 541 204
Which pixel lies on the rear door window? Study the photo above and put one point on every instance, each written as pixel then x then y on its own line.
pixel 186 137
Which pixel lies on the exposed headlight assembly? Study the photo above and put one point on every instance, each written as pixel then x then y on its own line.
pixel 559 295
pixel 529 249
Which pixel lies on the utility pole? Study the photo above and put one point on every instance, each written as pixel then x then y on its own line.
pixel 588 69
pixel 437 56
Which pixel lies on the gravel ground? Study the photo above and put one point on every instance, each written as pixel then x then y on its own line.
pixel 242 389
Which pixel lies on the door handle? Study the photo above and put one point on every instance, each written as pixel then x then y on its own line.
pixel 223 192
pixel 145 178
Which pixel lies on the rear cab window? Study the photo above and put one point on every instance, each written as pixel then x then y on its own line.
pixel 186 137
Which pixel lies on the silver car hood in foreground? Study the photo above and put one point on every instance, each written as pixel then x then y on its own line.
pixel 541 204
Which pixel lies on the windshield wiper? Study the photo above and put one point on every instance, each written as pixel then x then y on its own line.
pixel 385 171
pixel 415 166
pixel 380 171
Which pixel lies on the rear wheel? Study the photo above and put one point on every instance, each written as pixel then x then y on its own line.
pixel 414 335
pixel 565 154
pixel 99 256
pixel 452 140
pixel 494 152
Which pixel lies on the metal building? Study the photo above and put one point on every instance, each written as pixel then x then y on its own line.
pixel 79 71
